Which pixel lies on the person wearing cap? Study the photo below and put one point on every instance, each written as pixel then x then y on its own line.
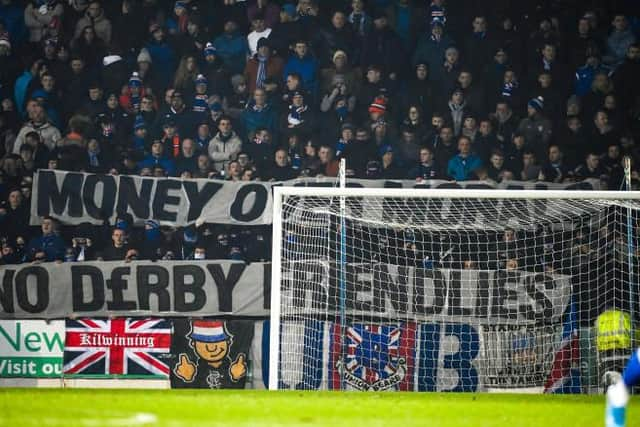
pixel 215 72
pixel 231 46
pixel 340 67
pixel 289 29
pixel 262 66
pixel 536 128
pixel 389 164
pixel 299 116
pixel 383 47
pixel 447 71
pixel 147 72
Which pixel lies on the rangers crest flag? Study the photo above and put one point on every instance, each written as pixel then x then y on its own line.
pixel 117 347
pixel 377 357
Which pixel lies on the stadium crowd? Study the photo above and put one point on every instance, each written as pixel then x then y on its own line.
pixel 274 90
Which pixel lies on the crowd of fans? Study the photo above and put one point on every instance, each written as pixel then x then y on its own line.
pixel 277 89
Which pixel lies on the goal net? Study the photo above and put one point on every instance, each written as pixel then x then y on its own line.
pixel 448 290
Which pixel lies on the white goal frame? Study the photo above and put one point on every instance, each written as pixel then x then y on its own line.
pixel 279 193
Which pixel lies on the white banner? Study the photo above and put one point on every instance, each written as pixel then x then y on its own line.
pixel 213 288
pixel 94 289
pixel 75 198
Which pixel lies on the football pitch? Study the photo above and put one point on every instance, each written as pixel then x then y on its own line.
pixel 93 408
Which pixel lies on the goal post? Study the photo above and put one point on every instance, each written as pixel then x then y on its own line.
pixel 447 290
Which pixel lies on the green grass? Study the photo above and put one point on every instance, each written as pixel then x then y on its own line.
pixel 175 408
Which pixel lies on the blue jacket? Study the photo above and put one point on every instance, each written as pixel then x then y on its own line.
pixel 167 164
pixel 460 168
pixel 253 119
pixel 307 67
pixel 584 78
pixel 52 245
pixel 233 50
pixel 20 91
pixel 164 60
pixel 12 16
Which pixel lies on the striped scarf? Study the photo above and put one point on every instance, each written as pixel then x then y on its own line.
pixel 262 71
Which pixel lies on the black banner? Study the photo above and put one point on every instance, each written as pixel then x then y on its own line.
pixel 210 353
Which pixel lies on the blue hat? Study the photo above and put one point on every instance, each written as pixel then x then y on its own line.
pixel 536 103
pixel 152 223
pixel 289 9
pixel 201 80
pixel 386 149
pixel 40 93
pixel 139 123
pixel 135 80
pixel 180 5
pixel 208 331
pixel 210 49
pixel 190 235
pixel 215 106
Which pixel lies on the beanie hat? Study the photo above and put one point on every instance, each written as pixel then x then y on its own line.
pixel 536 103
pixel 180 5
pixel 201 80
pixel 340 53
pixel 4 41
pixel 289 9
pixel 134 80
pixel 154 27
pixel 379 105
pixel 144 56
pixel 209 50
pixel 139 123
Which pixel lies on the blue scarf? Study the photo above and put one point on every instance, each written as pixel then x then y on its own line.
pixel 262 71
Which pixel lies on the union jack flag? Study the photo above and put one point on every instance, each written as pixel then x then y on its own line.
pixel 565 370
pixel 117 347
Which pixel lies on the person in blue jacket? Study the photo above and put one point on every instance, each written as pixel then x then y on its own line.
pixel 462 166
pixel 302 63
pixel 48 247
pixel 157 158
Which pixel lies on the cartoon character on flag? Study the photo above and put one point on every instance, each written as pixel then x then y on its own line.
pixel 212 344
pixel 372 359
